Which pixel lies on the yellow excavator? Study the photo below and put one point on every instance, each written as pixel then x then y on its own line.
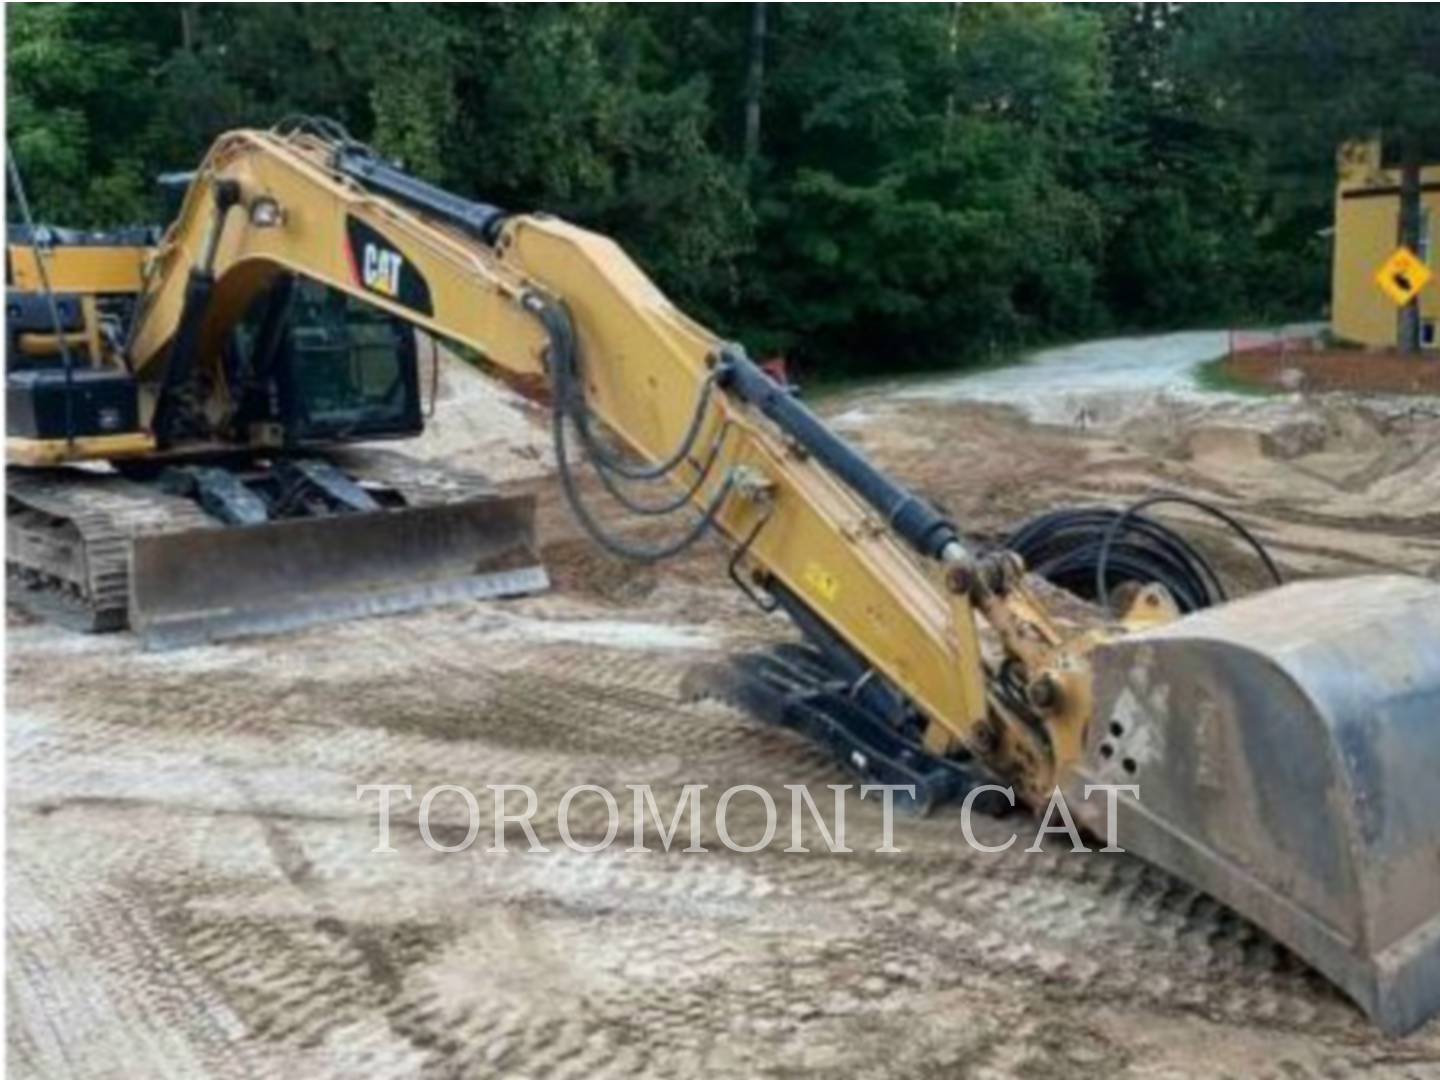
pixel 178 417
pixel 218 387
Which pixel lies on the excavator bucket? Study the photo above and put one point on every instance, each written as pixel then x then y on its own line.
pixel 1286 748
pixel 208 584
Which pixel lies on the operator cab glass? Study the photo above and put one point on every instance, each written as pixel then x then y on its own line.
pixel 327 367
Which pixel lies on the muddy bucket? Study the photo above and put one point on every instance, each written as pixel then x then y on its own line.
pixel 1287 753
pixel 204 585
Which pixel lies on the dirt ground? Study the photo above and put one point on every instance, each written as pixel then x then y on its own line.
pixel 1347 369
pixel 191 887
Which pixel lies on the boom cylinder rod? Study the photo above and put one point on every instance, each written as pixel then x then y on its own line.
pixel 917 522
pixel 479 219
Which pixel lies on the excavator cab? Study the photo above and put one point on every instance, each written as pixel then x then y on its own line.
pixel 238 517
pixel 331 370
pixel 306 367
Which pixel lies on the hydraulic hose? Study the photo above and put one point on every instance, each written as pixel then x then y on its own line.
pixel 914 519
pixel 676 502
pixel 566 375
pixel 566 403
pixel 608 541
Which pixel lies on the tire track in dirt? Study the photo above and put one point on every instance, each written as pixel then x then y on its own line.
pixel 609 965
pixel 196 886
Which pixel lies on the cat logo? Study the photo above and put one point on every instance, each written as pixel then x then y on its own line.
pixel 380 270
pixel 378 266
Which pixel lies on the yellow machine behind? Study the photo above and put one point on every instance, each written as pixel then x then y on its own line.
pixel 1283 747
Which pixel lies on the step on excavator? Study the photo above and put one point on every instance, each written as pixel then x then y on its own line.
pixel 179 409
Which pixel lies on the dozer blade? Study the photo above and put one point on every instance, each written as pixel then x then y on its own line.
pixel 1287 753
pixel 203 585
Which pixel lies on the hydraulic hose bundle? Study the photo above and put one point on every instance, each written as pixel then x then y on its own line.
pixel 570 410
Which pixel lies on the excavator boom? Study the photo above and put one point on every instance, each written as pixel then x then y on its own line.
pixel 1282 746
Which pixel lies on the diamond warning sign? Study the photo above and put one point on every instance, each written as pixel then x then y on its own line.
pixel 1402 276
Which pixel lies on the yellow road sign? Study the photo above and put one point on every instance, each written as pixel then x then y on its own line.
pixel 1402 276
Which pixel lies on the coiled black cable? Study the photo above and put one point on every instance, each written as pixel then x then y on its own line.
pixel 1118 525
pixel 1091 550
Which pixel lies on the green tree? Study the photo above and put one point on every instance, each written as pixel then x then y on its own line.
pixel 76 78
pixel 583 112
pixel 913 197
pixel 1318 75
pixel 926 184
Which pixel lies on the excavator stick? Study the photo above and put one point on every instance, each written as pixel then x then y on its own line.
pixel 208 584
pixel 1286 748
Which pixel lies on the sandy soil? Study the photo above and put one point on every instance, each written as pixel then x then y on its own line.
pixel 1331 486
pixel 192 890
pixel 475 422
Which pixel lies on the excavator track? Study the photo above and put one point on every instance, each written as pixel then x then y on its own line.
pixel 69 533
pixel 75 538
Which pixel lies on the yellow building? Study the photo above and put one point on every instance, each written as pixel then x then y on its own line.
pixel 1367 211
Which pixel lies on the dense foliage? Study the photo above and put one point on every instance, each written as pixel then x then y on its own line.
pixel 930 184
pixel 1306 77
